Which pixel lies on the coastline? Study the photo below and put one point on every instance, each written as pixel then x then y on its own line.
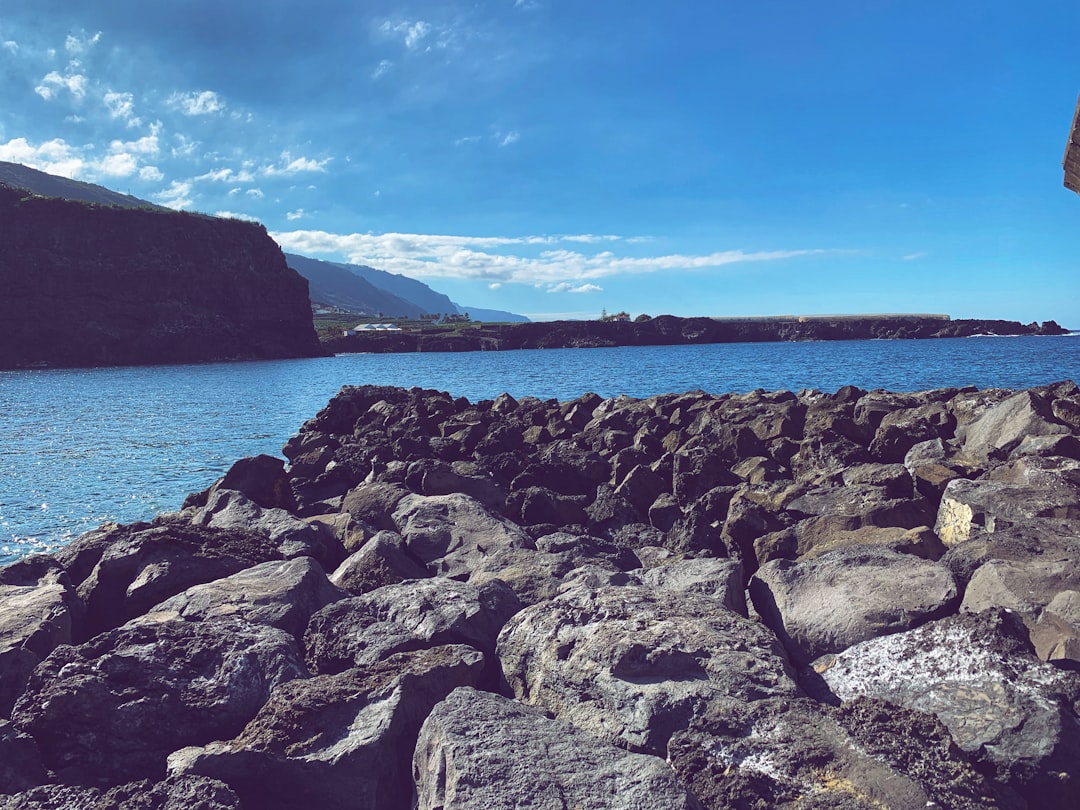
pixel 648 572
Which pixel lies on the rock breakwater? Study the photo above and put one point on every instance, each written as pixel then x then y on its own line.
pixel 864 599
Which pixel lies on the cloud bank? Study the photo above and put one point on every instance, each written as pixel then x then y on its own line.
pixel 535 260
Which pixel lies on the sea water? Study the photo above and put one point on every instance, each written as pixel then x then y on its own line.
pixel 79 447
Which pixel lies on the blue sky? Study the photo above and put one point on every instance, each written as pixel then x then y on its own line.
pixel 559 157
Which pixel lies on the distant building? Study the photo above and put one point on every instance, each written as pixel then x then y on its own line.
pixel 372 327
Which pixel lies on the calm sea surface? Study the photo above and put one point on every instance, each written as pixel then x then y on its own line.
pixel 78 447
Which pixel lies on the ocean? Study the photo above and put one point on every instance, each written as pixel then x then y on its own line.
pixel 84 446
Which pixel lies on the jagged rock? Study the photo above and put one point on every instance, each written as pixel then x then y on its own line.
pixel 337 741
pixel 39 611
pixel 374 504
pixel 802 754
pixel 282 594
pixel 718 578
pixel 112 709
pixel 139 569
pixel 227 509
pixel 349 634
pixel 902 429
pixel 1002 427
pixel 827 604
pixel 174 793
pixel 971 508
pixel 920 541
pixel 20 762
pixel 977 673
pixel 261 478
pixel 633 664
pixel 479 751
pixel 380 561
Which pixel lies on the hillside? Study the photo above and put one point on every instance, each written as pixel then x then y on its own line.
pixel 87 285
pixel 16 175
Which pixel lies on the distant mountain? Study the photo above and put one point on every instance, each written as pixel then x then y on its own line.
pixel 328 285
pixel 49 185
pixel 333 285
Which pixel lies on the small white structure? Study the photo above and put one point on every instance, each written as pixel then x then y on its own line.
pixel 372 327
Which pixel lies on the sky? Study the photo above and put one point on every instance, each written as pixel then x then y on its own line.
pixel 561 158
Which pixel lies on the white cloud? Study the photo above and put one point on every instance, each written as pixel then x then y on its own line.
pixel 513 136
pixel 256 193
pixel 55 156
pixel 538 260
pixel 11 45
pixel 911 257
pixel 79 45
pixel 235 215
pixel 570 288
pixel 204 102
pixel 122 106
pixel 412 33
pixel 468 139
pixel 151 174
pixel 53 83
pixel 382 69
pixel 494 285
pixel 290 165
pixel 299 213
pixel 176 196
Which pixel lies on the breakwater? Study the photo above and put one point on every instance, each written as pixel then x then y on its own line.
pixel 857 599
pixel 668 330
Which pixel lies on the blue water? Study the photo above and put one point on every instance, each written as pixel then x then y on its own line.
pixel 78 447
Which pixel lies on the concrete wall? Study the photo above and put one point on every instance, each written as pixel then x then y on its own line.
pixel 1071 163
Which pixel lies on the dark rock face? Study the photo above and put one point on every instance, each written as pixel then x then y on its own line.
pixel 88 285
pixel 297 636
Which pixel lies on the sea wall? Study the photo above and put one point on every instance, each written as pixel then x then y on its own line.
pixel 855 600
pixel 89 285
pixel 668 330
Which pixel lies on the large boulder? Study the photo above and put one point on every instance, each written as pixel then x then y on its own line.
pixel 479 751
pixel 380 561
pixel 1014 714
pixel 174 793
pixel 39 611
pixel 800 753
pixel 282 594
pixel 337 741
pixel 828 603
pixel 633 664
pixel 972 508
pixel 1002 427
pixel 112 709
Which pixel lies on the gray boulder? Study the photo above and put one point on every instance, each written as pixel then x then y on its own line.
pixel 380 561
pixel 39 611
pixel 976 673
pixel 337 741
pixel 633 664
pixel 801 754
pixel 174 793
pixel 282 594
pixel 1003 426
pixel 826 604
pixel 112 709
pixel 718 578
pixel 479 751
pixel 969 509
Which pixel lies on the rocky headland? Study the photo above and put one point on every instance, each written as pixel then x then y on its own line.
pixel 669 330
pixel 88 284
pixel 866 599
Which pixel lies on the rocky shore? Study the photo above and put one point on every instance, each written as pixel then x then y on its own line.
pixel 668 330
pixel 866 599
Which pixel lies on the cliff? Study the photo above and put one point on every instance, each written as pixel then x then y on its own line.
pixel 1071 162
pixel 88 285
pixel 668 330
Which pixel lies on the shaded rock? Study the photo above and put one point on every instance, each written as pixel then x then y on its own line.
pixel 632 664
pixel 283 594
pixel 112 709
pixel 349 634
pixel 261 478
pixel 39 611
pixel 826 604
pixel 226 509
pixel 144 567
pixel 174 793
pixel 20 762
pixel 902 429
pixel 479 751
pixel 337 741
pixel 381 561
pixel 800 753
pixel 920 541
pixel 977 674
pixel 374 504
pixel 539 505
